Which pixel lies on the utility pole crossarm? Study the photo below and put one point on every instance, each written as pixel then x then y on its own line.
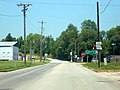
pixel 24 5
pixel 42 23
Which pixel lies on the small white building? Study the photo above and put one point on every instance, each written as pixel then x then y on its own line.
pixel 8 51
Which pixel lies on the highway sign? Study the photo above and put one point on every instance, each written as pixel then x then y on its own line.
pixel 90 52
pixel 98 47
pixel 98 43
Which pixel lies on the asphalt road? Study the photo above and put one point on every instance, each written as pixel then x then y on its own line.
pixel 56 75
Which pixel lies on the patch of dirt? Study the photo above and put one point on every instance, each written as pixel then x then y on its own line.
pixel 111 75
pixel 109 71
pixel 2 73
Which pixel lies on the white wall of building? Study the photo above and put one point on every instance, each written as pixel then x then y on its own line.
pixel 6 53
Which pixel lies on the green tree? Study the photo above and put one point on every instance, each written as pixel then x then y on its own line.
pixel 34 40
pixel 114 36
pixel 89 25
pixel 20 44
pixel 88 35
pixel 66 42
pixel 9 38
pixel 48 45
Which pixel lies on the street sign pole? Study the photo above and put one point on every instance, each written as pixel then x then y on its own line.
pixel 82 54
pixel 87 58
pixel 71 55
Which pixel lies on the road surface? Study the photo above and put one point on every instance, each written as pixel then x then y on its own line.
pixel 57 75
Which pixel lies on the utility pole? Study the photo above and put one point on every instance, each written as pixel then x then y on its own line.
pixel 98 27
pixel 30 51
pixel 41 40
pixel 24 14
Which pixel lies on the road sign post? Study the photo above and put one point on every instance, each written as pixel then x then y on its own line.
pixel 99 48
pixel 82 54
pixel 71 56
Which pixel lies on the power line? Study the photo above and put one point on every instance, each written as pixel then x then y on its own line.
pixel 68 4
pixel 10 15
pixel 31 23
pixel 9 1
pixel 106 7
pixel 112 5
pixel 63 4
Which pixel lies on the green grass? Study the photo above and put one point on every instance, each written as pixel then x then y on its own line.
pixel 15 65
pixel 109 67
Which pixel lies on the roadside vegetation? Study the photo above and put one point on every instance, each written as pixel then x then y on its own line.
pixel 72 38
pixel 111 67
pixel 6 66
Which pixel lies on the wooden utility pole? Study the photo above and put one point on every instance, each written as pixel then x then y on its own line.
pixel 98 27
pixel 41 40
pixel 24 14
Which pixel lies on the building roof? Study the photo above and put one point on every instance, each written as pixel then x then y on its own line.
pixel 7 43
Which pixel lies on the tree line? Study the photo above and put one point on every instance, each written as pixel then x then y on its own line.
pixel 74 40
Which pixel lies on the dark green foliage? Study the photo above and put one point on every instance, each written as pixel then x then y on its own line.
pixel 48 45
pixel 88 24
pixel 65 42
pixel 113 36
pixel 20 44
pixel 72 40
pixel 9 38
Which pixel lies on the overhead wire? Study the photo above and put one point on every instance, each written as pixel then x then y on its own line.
pixel 13 1
pixel 5 15
pixel 68 4
pixel 106 7
pixel 31 23
pixel 63 4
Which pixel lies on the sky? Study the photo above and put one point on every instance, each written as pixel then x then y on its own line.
pixel 57 14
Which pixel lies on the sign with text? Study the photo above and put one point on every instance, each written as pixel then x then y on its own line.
pixel 90 52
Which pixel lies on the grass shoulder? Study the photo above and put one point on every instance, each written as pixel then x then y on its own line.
pixel 111 67
pixel 6 66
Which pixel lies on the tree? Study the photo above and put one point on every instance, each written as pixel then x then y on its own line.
pixel 34 40
pixel 9 38
pixel 88 35
pixel 66 42
pixel 88 24
pixel 103 35
pixel 114 36
pixel 48 45
pixel 20 44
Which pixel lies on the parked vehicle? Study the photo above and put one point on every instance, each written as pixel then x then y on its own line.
pixel 109 58
pixel 94 60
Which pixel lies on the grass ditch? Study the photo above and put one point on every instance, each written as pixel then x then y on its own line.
pixel 111 67
pixel 6 66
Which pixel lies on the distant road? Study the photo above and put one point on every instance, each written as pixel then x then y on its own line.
pixel 57 75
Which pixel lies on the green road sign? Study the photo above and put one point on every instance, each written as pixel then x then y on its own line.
pixel 90 52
